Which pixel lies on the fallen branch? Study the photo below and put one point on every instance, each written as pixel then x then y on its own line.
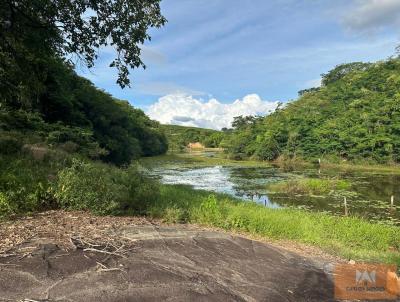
pixel 9 264
pixel 103 252
pixel 111 269
pixel 102 265
pixel 7 255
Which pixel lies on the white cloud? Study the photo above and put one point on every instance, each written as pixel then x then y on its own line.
pixel 373 15
pixel 183 109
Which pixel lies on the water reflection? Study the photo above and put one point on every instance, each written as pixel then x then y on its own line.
pixel 216 179
pixel 368 197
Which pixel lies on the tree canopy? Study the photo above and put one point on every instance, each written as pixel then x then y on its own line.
pixel 180 136
pixel 31 31
pixel 354 115
pixel 71 109
pixel 43 100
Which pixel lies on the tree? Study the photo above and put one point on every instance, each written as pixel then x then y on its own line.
pixel 31 31
pixel 354 116
pixel 309 90
pixel 341 70
pixel 243 121
pixel 267 148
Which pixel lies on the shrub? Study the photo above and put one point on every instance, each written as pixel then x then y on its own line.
pixel 104 189
pixel 174 215
pixel 210 211
pixel 5 206
pixel 25 184
pixel 9 144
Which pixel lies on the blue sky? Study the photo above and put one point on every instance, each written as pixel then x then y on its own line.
pixel 225 50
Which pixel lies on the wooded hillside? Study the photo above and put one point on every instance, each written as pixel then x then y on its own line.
pixel 354 115
pixel 180 136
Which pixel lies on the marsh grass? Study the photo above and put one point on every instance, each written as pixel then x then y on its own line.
pixel 310 186
pixel 348 237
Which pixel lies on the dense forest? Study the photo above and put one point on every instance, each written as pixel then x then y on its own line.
pixel 43 100
pixel 180 136
pixel 63 142
pixel 70 110
pixel 354 115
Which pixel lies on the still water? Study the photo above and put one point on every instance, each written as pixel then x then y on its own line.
pixel 368 197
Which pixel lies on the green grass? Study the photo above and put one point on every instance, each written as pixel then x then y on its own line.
pixel 29 185
pixel 347 237
pixel 392 168
pixel 310 186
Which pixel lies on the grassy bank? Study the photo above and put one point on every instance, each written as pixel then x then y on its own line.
pixel 348 237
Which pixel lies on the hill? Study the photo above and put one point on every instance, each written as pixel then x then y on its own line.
pixel 53 141
pixel 69 109
pixel 354 115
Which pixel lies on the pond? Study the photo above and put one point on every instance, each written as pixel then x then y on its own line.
pixel 369 194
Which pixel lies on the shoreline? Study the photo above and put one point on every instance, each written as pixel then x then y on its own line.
pixel 224 161
pixel 342 237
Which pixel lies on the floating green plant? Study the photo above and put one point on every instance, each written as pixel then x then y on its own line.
pixel 310 186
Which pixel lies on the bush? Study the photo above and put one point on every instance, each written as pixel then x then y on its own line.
pixel 9 144
pixel 210 211
pixel 174 215
pixel 104 189
pixel 25 184
pixel 5 206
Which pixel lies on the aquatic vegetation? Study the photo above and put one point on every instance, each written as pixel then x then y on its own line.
pixel 368 194
pixel 310 186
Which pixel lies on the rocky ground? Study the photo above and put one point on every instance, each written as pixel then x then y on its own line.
pixel 74 256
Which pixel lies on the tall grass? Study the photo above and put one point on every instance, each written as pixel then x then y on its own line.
pixel 60 181
pixel 25 183
pixel 348 237
pixel 104 189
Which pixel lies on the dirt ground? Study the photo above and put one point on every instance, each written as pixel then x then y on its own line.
pixel 74 256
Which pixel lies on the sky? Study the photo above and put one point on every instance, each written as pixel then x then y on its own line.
pixel 216 59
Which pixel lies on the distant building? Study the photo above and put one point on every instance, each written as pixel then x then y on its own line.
pixel 195 146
